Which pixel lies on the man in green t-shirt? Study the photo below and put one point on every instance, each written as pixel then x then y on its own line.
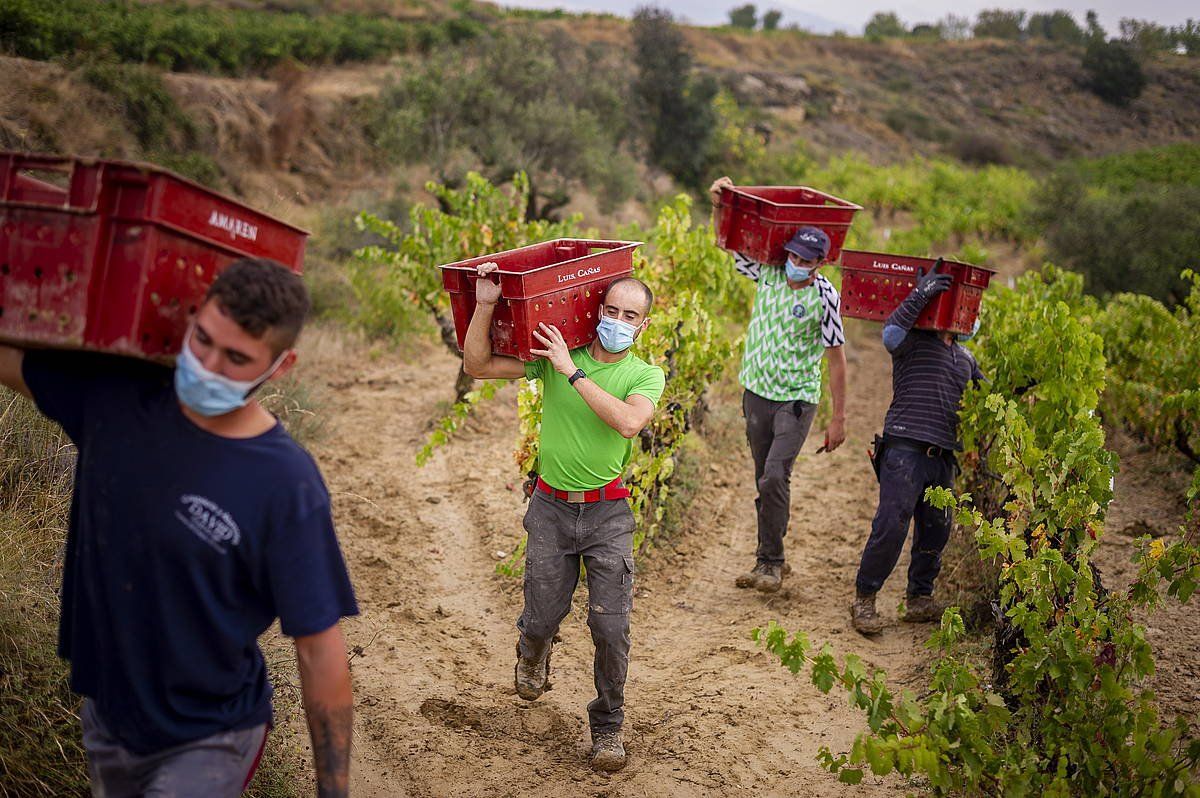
pixel 796 320
pixel 595 401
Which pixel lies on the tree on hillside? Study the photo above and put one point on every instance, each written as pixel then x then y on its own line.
pixel 1187 36
pixel 924 30
pixel 1095 31
pixel 1147 37
pixel 884 25
pixel 770 20
pixel 1055 26
pixel 676 107
pixel 999 23
pixel 1114 73
pixel 744 17
pixel 954 27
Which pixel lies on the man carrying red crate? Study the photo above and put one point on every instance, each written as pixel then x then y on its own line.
pixel 796 321
pixel 196 521
pixel 930 371
pixel 595 401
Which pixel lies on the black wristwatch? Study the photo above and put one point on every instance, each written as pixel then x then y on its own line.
pixel 578 375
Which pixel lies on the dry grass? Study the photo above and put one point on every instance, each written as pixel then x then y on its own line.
pixel 40 750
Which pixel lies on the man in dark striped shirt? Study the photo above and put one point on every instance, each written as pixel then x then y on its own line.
pixel 930 371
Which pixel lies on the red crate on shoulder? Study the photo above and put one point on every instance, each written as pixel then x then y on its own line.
pixel 559 282
pixel 758 220
pixel 875 283
pixel 116 256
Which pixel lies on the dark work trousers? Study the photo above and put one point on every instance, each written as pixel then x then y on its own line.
pixel 560 533
pixel 903 477
pixel 776 431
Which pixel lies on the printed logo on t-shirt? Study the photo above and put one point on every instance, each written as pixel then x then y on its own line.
pixel 208 522
pixel 799 310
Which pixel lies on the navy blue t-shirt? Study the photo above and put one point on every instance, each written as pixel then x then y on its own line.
pixel 183 548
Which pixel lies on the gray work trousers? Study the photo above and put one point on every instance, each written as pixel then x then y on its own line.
pixel 601 533
pixel 776 431
pixel 219 766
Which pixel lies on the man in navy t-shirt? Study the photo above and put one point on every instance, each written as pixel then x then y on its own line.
pixel 196 521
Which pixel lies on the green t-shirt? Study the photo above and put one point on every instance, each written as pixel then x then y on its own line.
pixel 576 450
pixel 789 331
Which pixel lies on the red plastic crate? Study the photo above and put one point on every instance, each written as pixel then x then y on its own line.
pixel 119 256
pixel 559 282
pixel 758 220
pixel 874 284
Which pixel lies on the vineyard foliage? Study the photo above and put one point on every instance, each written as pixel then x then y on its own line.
pixel 1065 714
pixel 194 38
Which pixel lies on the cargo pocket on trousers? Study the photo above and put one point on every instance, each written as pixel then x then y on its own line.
pixel 627 583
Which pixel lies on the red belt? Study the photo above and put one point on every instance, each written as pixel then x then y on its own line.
pixel 613 490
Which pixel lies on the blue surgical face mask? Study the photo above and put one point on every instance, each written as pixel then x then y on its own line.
pixel 615 335
pixel 962 338
pixel 797 274
pixel 210 394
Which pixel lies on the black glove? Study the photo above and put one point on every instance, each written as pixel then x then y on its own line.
pixel 933 283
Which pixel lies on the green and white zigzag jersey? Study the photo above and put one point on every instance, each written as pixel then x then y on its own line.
pixel 789 332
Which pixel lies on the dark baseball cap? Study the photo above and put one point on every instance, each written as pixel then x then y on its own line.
pixel 809 243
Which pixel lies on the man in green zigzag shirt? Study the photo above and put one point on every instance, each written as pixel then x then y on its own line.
pixel 595 401
pixel 796 319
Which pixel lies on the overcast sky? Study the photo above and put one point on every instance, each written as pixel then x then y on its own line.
pixel 851 15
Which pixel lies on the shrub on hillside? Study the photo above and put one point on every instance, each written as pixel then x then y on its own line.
pixel 1138 240
pixel 999 23
pixel 1114 73
pixel 1055 26
pixel 744 17
pixel 140 97
pixel 770 20
pixel 884 25
pixel 980 149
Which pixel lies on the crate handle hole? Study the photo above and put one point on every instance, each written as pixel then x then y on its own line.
pixel 37 273
pixel 69 276
pixel 3 268
pixel 1 311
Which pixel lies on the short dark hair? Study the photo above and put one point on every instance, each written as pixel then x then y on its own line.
pixel 263 297
pixel 645 290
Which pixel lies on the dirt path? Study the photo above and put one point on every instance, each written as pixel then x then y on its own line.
pixel 707 713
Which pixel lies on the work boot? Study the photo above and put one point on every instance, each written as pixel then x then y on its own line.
pixel 863 615
pixel 751 577
pixel 921 609
pixel 608 751
pixel 769 578
pixel 764 576
pixel 532 678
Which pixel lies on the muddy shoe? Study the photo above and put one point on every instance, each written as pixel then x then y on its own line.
pixel 608 752
pixel 769 578
pixel 532 678
pixel 750 578
pixel 922 609
pixel 863 616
